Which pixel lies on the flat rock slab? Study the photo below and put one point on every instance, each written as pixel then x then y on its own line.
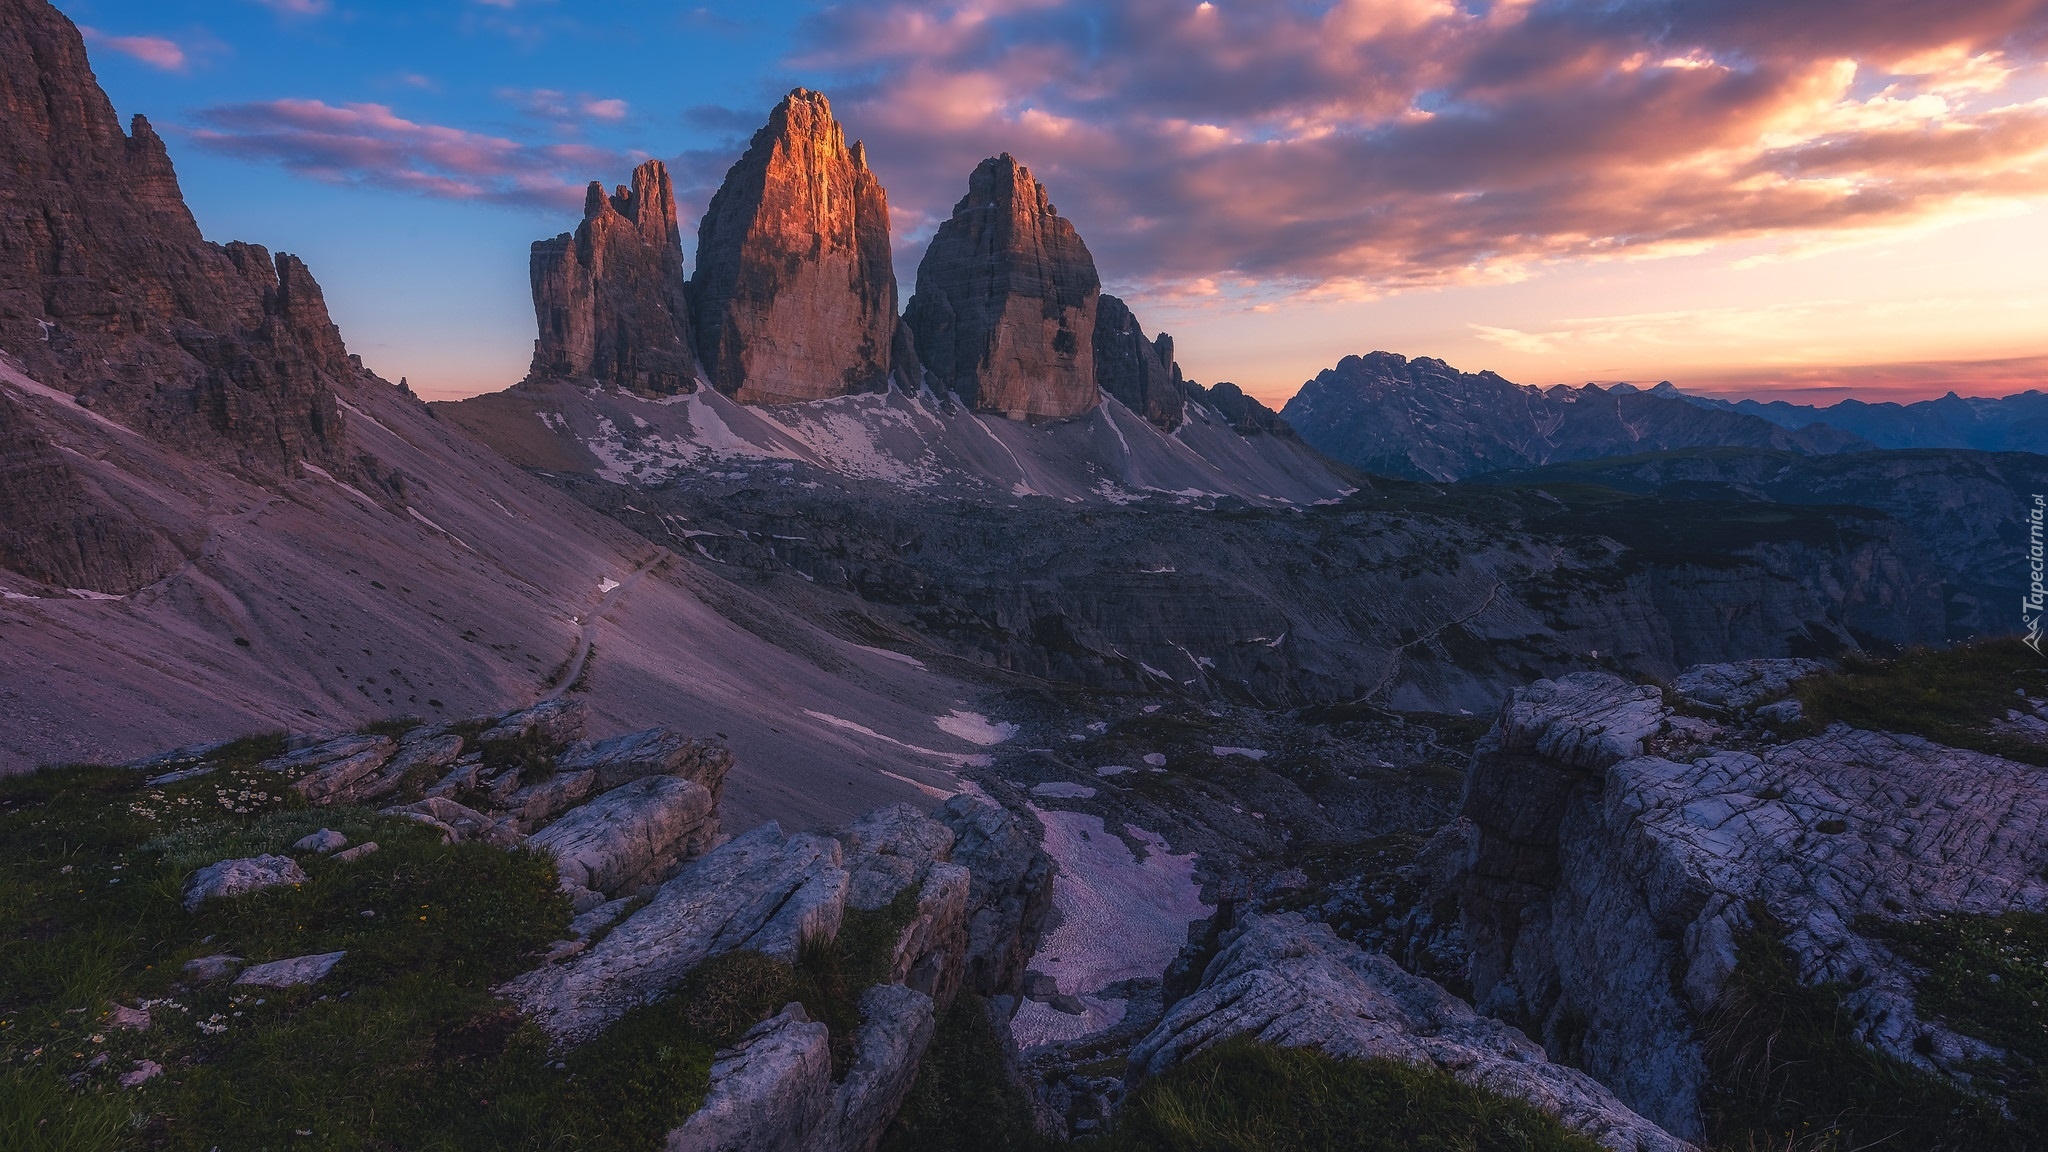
pixel 630 834
pixel 235 877
pixel 762 891
pixel 1743 684
pixel 653 752
pixel 1292 982
pixel 291 973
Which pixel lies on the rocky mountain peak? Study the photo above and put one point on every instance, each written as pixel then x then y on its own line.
pixel 110 292
pixel 1006 300
pixel 795 290
pixel 609 298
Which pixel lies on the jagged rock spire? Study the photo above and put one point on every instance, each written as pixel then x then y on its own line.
pixel 609 299
pixel 795 292
pixel 1006 299
pixel 1139 372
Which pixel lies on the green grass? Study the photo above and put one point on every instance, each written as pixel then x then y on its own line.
pixel 963 1100
pixel 402 1046
pixel 1244 1096
pixel 1790 1073
pixel 1949 695
pixel 1987 977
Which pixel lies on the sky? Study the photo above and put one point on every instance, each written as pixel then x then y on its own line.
pixel 1807 199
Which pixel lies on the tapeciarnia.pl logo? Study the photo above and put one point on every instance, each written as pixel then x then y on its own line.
pixel 2037 596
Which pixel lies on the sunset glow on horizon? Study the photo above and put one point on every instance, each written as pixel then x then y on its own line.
pixel 1810 200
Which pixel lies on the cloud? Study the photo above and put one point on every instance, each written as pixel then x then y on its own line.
pixel 298 7
pixel 1344 148
pixel 154 51
pixel 567 112
pixel 370 145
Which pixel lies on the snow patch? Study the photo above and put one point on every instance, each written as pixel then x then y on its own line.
pixel 1247 753
pixel 955 759
pixel 605 585
pixel 975 728
pixel 1118 918
pixel 884 653
pixel 89 594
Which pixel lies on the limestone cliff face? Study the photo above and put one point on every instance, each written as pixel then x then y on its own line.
pixel 108 291
pixel 1006 300
pixel 1139 372
pixel 609 298
pixel 795 293
pixel 54 529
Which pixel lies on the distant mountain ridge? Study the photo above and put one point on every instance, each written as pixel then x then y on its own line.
pixel 2016 423
pixel 1422 419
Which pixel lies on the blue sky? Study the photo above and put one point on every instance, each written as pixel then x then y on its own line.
pixel 1740 195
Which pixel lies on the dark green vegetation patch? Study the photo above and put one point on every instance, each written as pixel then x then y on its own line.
pixel 1790 1073
pixel 1953 696
pixel 402 1046
pixel 1243 1096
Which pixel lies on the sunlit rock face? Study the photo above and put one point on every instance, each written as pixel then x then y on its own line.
pixel 108 291
pixel 1006 301
pixel 795 292
pixel 609 298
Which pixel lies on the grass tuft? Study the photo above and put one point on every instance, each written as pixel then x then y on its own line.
pixel 1951 696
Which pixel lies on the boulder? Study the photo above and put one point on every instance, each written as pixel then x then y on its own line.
pixel 630 835
pixel 762 891
pixel 889 850
pixel 1292 982
pixel 1006 301
pixel 768 1092
pixel 291 973
pixel 654 752
pixel 324 841
pixel 462 776
pixel 207 969
pixel 1009 893
pixel 610 300
pixel 794 295
pixel 235 877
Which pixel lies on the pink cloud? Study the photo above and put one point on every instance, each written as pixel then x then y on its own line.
pixel 370 145
pixel 154 51
pixel 1363 144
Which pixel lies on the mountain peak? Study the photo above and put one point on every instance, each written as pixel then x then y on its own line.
pixel 1006 300
pixel 795 291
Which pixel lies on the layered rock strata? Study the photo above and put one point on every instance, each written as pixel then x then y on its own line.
pixel 1006 301
pixel 1621 857
pixel 609 298
pixel 795 291
pixel 108 291
pixel 1292 982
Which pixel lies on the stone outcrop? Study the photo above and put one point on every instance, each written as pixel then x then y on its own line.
pixel 1140 373
pixel 762 891
pixel 610 297
pixel 630 835
pixel 1010 893
pixel 768 1092
pixel 326 773
pixel 1621 857
pixel 654 752
pixel 1293 983
pixel 794 295
pixel 898 848
pixel 773 1091
pixel 1006 301
pixel 108 291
